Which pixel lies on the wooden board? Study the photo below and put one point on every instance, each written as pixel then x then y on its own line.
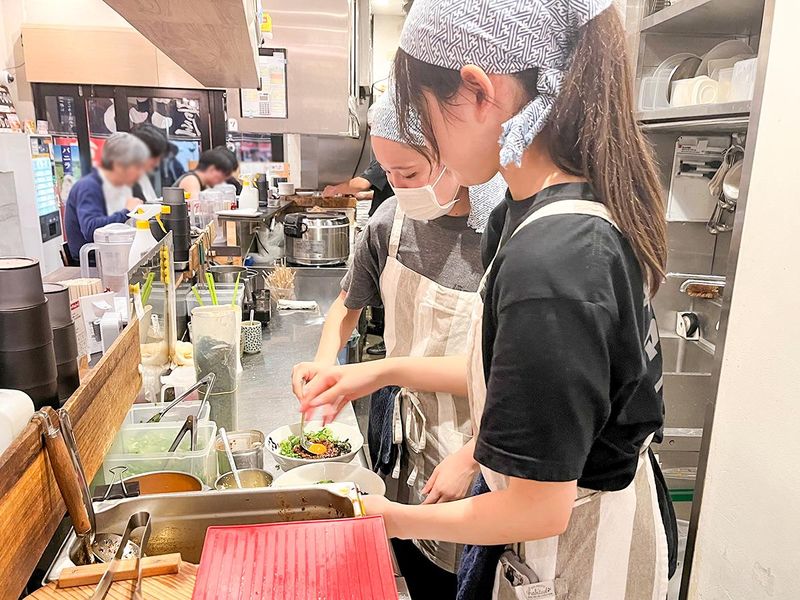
pixel 30 502
pixel 212 40
pixel 164 587
pixel 323 202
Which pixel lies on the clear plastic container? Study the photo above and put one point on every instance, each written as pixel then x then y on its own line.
pixel 140 413
pixel 216 337
pixel 224 296
pixel 143 449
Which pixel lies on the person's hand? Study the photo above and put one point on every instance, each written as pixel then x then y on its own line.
pixel 452 478
pixel 379 505
pixel 330 388
pixel 131 203
pixel 331 190
pixel 302 373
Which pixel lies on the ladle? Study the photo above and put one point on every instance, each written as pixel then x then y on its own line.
pixel 226 444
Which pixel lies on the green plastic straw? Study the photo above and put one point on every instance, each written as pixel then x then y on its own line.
pixel 148 287
pixel 236 288
pixel 197 295
pixel 211 288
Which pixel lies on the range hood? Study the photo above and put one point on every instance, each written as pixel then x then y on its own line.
pixel 215 41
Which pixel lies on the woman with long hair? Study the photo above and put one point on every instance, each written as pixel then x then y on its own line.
pixel 564 369
pixel 420 258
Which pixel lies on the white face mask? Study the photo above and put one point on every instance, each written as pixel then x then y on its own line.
pixel 421 204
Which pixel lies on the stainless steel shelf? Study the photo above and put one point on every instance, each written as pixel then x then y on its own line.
pixel 707 18
pixel 728 117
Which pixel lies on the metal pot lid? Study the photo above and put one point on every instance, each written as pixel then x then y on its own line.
pixel 321 218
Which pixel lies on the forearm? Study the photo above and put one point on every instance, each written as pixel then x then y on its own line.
pixel 501 517
pixel 339 326
pixel 426 373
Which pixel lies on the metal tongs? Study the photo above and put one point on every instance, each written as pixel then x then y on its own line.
pixel 208 379
pixel 190 424
pixel 136 520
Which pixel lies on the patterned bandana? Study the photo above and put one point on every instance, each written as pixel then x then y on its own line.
pixel 385 123
pixel 503 37
pixel 482 199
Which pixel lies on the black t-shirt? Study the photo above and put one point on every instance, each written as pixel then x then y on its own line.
pixel 570 348
pixel 381 190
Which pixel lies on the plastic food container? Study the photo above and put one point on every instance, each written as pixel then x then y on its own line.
pixel 224 295
pixel 143 449
pixel 140 413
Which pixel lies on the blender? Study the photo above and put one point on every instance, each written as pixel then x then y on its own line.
pixel 112 245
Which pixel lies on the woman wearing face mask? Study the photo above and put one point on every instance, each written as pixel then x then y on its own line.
pixel 419 257
pixel 564 367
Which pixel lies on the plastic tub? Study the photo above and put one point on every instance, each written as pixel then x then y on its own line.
pixel 143 449
pixel 140 413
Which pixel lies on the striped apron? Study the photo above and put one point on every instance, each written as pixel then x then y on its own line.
pixel 615 547
pixel 424 318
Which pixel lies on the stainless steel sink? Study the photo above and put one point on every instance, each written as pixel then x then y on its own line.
pixel 180 521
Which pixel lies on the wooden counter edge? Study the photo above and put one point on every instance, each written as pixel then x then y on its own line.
pixel 31 506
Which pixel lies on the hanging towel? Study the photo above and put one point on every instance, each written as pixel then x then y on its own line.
pixel 476 571
pixel 382 450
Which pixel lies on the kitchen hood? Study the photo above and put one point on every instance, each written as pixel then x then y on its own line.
pixel 215 41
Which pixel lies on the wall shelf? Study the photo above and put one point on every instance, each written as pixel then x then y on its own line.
pixel 730 116
pixel 707 18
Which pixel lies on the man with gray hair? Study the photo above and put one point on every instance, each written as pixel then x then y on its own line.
pixel 105 195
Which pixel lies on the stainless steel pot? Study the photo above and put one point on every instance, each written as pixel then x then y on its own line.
pixel 316 239
pixel 227 273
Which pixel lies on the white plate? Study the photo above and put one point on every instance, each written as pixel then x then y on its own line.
pixel 727 49
pixel 305 475
pixel 340 430
pixel 305 193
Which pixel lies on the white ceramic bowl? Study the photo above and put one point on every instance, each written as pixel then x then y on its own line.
pixel 340 430
pixel 367 481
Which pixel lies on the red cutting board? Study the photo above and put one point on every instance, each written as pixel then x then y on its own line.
pixel 333 559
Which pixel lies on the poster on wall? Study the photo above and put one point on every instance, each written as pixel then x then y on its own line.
pixel 8 112
pixel 270 101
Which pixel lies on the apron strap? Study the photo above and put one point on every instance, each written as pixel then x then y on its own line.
pixel 397 229
pixel 561 207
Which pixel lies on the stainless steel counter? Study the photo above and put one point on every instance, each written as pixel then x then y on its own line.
pixel 265 399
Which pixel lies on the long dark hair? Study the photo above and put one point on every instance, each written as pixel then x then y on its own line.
pixel 592 132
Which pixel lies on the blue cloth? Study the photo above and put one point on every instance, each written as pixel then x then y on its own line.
pixel 478 565
pixel 86 211
pixel 382 450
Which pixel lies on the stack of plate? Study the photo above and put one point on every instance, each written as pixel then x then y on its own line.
pixel 65 342
pixel 27 358
pixel 176 220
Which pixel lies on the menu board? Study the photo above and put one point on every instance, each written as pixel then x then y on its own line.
pixel 270 100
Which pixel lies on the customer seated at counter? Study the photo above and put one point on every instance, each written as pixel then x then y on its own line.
pixel 213 168
pixel 157 144
pixel 105 195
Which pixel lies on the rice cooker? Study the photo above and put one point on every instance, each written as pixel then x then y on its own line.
pixel 316 239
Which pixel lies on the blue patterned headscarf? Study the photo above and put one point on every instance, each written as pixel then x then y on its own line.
pixel 385 123
pixel 503 37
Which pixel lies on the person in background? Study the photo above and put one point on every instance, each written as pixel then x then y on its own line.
pixel 420 257
pixel 171 167
pixel 156 141
pixel 105 195
pixel 213 168
pixel 373 179
pixel 234 178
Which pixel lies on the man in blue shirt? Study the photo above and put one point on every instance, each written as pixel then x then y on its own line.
pixel 105 195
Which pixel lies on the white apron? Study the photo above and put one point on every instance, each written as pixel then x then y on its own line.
pixel 424 318
pixel 615 547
